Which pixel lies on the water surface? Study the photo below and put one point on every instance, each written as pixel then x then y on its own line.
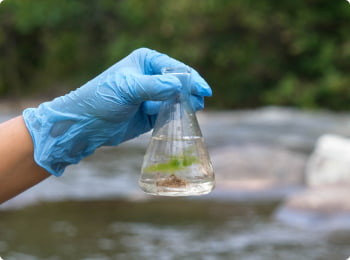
pixel 160 229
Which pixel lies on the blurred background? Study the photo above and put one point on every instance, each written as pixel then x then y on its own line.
pixel 279 71
pixel 293 53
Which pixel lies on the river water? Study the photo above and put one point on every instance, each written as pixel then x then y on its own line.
pixel 96 211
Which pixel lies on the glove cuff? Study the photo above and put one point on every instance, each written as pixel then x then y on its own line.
pixel 60 139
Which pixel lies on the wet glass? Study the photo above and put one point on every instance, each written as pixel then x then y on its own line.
pixel 177 162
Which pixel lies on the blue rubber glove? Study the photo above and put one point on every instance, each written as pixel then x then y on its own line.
pixel 119 104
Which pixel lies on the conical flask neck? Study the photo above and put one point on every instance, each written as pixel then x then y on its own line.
pixel 176 117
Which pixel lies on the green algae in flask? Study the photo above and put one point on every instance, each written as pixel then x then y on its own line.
pixel 177 162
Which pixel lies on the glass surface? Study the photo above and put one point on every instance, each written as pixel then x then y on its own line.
pixel 177 162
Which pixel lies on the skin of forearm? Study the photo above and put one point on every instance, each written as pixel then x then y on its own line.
pixel 18 170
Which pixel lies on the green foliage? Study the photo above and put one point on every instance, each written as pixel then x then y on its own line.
pixel 252 53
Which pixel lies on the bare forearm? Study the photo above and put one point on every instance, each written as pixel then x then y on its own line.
pixel 18 170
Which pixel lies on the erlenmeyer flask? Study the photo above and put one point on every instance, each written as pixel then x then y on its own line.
pixel 177 162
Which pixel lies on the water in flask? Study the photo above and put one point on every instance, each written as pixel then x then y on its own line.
pixel 177 162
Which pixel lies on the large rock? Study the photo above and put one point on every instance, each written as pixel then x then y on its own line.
pixel 325 203
pixel 323 208
pixel 330 162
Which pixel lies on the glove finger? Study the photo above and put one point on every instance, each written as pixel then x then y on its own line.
pixel 155 61
pixel 151 107
pixel 199 86
pixel 197 102
pixel 155 87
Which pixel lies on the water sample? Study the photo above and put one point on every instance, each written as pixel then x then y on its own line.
pixel 177 162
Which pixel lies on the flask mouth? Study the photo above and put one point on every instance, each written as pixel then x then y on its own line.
pixel 183 73
pixel 176 70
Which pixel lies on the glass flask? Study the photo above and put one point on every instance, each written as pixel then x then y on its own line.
pixel 177 162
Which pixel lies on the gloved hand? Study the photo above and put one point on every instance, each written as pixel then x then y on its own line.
pixel 119 104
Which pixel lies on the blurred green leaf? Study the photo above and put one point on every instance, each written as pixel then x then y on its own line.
pixel 252 53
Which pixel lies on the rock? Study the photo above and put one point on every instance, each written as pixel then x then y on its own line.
pixel 325 202
pixel 323 208
pixel 257 171
pixel 330 161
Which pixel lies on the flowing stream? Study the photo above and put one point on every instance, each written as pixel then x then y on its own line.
pixel 96 211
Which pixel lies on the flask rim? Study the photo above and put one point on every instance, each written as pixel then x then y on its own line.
pixel 176 70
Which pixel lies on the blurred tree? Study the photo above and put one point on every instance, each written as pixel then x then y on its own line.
pixel 252 53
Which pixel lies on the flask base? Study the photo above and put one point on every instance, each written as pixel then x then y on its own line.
pixel 175 186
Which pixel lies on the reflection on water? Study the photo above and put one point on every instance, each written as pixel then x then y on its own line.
pixel 159 229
